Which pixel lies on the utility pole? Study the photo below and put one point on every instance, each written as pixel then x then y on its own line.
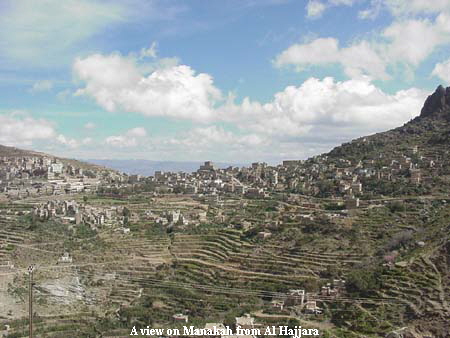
pixel 30 273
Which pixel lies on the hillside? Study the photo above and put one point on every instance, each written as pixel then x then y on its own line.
pixel 6 151
pixel 16 152
pixel 415 232
pixel 429 132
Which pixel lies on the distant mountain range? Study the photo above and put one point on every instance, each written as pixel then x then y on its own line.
pixel 148 168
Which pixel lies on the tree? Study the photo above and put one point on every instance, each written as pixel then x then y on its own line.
pixel 364 281
pixel 396 207
pixel 126 212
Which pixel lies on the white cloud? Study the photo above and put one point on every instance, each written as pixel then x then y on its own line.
pixel 314 9
pixel 325 107
pixel 132 138
pixel 42 86
pixel 299 121
pixel 317 114
pixel 117 83
pixel 339 110
pixel 358 59
pixel 401 7
pixel 404 9
pixel 319 51
pixel 87 141
pixel 412 41
pixel 121 141
pixel 137 132
pixel 89 125
pixel 149 52
pixel 372 11
pixel 17 130
pixel 69 142
pixel 64 94
pixel 442 70
pixel 406 41
pixel 213 136
pixel 21 130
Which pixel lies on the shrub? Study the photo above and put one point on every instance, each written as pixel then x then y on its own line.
pixel 396 207
pixel 364 281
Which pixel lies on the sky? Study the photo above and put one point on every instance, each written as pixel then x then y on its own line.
pixel 223 80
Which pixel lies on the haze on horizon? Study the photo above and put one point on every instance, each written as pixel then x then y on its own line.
pixel 229 81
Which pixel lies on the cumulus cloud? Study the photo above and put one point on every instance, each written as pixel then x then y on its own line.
pixel 406 41
pixel 87 141
pixel 413 7
pixel 42 86
pixel 315 8
pixel 347 109
pixel 212 136
pixel 412 41
pixel 442 70
pixel 16 130
pixel 298 121
pixel 137 132
pixel 397 8
pixel 121 141
pixel 131 138
pixel 118 83
pixel 319 113
pixel 339 109
pixel 66 141
pixel 358 59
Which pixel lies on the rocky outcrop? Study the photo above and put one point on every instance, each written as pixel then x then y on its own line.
pixel 436 102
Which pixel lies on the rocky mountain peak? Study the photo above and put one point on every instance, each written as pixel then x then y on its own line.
pixel 436 102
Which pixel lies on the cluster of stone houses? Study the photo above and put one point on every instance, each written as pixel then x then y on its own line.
pixel 29 176
pixel 74 213
pixel 71 212
pixel 306 177
pixel 297 299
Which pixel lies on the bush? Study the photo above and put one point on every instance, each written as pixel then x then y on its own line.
pixel 400 239
pixel 334 206
pixel 396 207
pixel 364 281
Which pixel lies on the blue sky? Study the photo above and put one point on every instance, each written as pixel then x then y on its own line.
pixel 230 80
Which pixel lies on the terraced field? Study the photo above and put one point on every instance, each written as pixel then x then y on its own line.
pixel 203 271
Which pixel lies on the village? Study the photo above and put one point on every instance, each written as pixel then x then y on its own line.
pixel 320 176
pixel 32 176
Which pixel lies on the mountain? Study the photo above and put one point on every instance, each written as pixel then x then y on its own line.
pixel 421 275
pixel 429 132
pixel 148 168
pixel 437 102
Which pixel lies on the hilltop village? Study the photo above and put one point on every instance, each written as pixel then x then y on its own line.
pixel 320 176
pixel 348 183
pixel 28 176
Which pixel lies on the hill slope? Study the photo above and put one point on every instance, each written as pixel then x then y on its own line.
pixel 6 151
pixel 430 132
